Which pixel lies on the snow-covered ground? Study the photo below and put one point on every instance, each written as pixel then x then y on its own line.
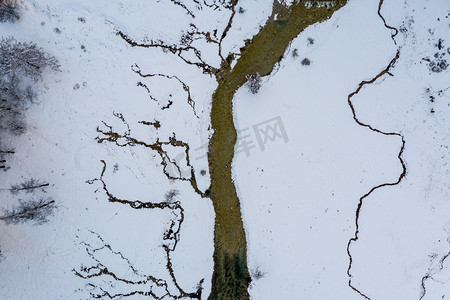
pixel 302 163
pixel 97 80
pixel 300 194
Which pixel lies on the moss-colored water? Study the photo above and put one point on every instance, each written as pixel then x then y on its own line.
pixel 231 276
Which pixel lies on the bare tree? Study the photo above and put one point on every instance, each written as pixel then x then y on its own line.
pixel 13 102
pixel 28 186
pixel 37 210
pixel 24 59
pixel 18 60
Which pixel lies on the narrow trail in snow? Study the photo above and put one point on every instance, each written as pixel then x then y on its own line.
pixel 361 85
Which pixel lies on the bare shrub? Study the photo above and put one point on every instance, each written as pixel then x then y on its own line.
pixel 186 39
pixel 36 210
pixel 254 83
pixel 170 195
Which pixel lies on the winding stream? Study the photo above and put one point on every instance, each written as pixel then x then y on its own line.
pixel 231 276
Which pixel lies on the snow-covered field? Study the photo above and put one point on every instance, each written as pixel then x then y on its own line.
pixel 302 166
pixel 299 196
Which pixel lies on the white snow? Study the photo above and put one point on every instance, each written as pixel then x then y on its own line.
pixel 299 190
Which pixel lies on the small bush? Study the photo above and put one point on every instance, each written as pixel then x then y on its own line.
pixel 8 11
pixel 186 40
pixel 254 83
pixel 35 210
pixel 306 62
pixel 438 65
pixel 170 195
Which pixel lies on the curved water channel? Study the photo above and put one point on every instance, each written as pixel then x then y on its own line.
pixel 231 276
